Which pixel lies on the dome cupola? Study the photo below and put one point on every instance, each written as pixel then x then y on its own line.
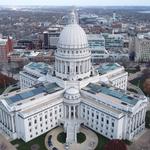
pixel 72 57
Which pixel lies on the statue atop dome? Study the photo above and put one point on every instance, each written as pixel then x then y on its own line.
pixel 73 17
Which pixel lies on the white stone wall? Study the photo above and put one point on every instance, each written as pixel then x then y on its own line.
pixel 36 124
pixel 26 80
pixel 101 122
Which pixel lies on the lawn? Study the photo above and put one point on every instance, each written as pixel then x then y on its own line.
pixel 138 82
pixel 62 137
pixel 1 90
pixel 40 141
pixel 101 142
pixel 81 137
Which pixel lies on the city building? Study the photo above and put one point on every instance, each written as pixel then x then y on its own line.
pixel 113 41
pixel 33 73
pixel 74 94
pixel 51 36
pixel 142 48
pixel 6 46
pixel 22 56
pixel 97 46
pixel 114 53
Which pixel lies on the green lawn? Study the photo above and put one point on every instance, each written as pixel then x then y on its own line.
pixel 138 82
pixel 61 137
pixel 81 137
pixel 1 90
pixel 101 142
pixel 27 146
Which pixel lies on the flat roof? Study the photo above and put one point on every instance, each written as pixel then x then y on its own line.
pixel 108 90
pixel 3 41
pixel 41 67
pixel 107 67
pixel 100 105
pixel 38 89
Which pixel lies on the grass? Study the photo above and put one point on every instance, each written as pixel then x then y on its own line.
pixel 102 141
pixel 1 90
pixel 138 82
pixel 127 142
pixel 132 90
pixel 14 89
pixel 61 137
pixel 81 137
pixel 40 141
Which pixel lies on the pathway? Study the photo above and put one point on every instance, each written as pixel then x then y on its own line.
pixel 89 144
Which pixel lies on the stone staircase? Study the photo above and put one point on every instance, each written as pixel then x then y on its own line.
pixel 71 133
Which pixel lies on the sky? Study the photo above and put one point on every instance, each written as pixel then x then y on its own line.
pixel 77 2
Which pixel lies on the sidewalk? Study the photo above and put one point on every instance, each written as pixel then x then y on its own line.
pixel 5 144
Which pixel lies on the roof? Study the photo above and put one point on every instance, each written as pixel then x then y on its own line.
pixel 38 89
pixel 95 37
pixel 40 67
pixel 3 41
pixel 125 99
pixel 72 36
pixel 105 68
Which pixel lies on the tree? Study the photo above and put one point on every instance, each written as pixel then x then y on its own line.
pixel 115 145
pixel 146 86
pixel 147 119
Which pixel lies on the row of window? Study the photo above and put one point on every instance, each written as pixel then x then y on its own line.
pixel 102 131
pixel 73 52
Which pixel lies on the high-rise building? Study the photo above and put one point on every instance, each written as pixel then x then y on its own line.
pixel 46 40
pixel 6 46
pixel 142 48
pixel 97 45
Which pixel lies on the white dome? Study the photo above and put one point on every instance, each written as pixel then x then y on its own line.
pixel 72 36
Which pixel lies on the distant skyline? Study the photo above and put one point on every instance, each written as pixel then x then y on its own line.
pixel 77 2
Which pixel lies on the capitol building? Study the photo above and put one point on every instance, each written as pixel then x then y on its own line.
pixel 71 94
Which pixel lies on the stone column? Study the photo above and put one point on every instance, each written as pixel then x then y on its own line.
pixel 133 123
pixel 65 67
pixel 74 111
pixel 12 123
pixel 69 112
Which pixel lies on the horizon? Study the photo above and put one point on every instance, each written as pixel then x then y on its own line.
pixel 82 3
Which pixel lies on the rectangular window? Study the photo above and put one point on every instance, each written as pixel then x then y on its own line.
pixel 107 121
pixel 112 124
pixel 92 114
pixel 88 112
pixel 35 121
pixel 40 118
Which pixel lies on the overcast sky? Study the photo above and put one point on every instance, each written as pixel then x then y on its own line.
pixel 77 2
